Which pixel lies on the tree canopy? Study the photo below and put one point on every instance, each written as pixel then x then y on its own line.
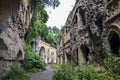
pixel 53 3
pixel 52 36
pixel 38 25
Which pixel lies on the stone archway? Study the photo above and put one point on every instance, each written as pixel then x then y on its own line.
pixel 42 53
pixel 114 38
pixel 85 51
pixel 114 42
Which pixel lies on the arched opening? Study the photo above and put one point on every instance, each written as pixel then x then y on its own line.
pixel 42 53
pixel 75 19
pixel 3 49
pixel 3 45
pixel 114 42
pixel 86 52
pixel 19 55
pixel 82 13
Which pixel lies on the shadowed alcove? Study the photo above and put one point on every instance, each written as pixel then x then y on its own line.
pixel 114 42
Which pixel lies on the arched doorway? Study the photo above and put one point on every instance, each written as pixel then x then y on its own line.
pixel 42 53
pixel 52 57
pixel 86 52
pixel 114 41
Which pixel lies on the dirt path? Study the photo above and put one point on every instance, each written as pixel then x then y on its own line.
pixel 45 75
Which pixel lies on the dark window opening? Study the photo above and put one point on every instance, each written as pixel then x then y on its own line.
pixel 75 19
pixel 85 51
pixel 82 13
pixel 77 56
pixel 114 42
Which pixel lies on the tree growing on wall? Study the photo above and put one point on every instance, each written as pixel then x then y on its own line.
pixel 40 17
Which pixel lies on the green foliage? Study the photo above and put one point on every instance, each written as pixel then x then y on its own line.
pixel 70 72
pixel 112 64
pixel 32 62
pixel 17 73
pixel 51 39
pixel 53 3
pixel 36 28
pixel 66 72
pixel 37 25
pixel 52 36
pixel 89 73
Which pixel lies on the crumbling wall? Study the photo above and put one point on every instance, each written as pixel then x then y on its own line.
pixel 94 12
pixel 15 16
pixel 90 24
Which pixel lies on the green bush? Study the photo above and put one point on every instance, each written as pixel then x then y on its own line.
pixel 112 64
pixel 70 72
pixel 17 73
pixel 66 72
pixel 90 73
pixel 32 62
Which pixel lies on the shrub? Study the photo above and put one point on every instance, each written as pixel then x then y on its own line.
pixel 112 64
pixel 90 73
pixel 70 72
pixel 32 62
pixel 66 72
pixel 17 73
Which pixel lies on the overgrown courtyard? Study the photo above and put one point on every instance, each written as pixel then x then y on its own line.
pixel 86 47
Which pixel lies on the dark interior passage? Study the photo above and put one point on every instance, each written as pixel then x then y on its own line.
pixel 114 41
pixel 85 51
pixel 77 59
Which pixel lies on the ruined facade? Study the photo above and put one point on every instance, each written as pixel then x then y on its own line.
pixel 15 16
pixel 46 52
pixel 92 30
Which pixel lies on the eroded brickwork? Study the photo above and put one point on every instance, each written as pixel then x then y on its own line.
pixel 94 28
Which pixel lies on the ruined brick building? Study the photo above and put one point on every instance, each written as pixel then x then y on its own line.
pixel 15 16
pixel 91 31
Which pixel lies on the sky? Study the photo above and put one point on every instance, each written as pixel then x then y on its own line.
pixel 58 16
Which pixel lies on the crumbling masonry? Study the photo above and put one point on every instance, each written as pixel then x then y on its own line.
pixel 92 30
pixel 15 16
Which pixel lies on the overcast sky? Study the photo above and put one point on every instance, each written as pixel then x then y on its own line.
pixel 58 16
